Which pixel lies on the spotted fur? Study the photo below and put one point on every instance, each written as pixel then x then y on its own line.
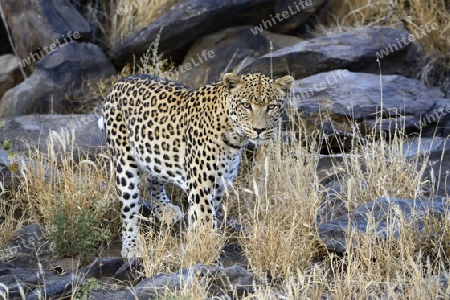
pixel 193 138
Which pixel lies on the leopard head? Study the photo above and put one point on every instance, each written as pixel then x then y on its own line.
pixel 255 104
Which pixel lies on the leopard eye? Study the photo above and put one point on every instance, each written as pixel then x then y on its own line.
pixel 247 105
pixel 272 107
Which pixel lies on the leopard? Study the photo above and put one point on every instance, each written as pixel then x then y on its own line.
pixel 193 138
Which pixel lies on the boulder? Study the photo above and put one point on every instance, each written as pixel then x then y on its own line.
pixel 59 76
pixel 222 282
pixel 39 280
pixel 378 218
pixel 102 267
pixel 436 121
pixel 10 74
pixel 433 155
pixel 188 21
pixel 213 55
pixel 355 50
pixel 37 25
pixel 33 131
pixel 432 148
pixel 28 241
pixel 333 101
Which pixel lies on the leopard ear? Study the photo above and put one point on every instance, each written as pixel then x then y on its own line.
pixel 285 84
pixel 232 81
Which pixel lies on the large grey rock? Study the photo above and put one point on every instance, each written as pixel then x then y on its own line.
pixel 188 21
pixel 436 121
pixel 212 56
pixel 28 241
pixel 36 24
pixel 381 218
pixel 341 97
pixel 38 280
pixel 58 76
pixel 355 50
pixel 33 131
pixel 220 281
pixel 433 159
pixel 432 148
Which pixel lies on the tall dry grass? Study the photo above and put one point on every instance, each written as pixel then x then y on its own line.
pixel 61 176
pixel 275 199
pixel 127 17
pixel 377 167
pixel 280 197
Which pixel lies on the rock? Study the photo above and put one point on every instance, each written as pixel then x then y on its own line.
pixel 355 51
pixel 233 254
pixel 129 271
pixel 188 21
pixel 330 209
pixel 37 24
pixel 28 241
pixel 332 101
pixel 58 76
pixel 433 148
pixel 436 122
pixel 102 267
pixel 10 74
pixel 34 130
pixel 437 283
pixel 383 212
pixel 433 153
pixel 224 51
pixel 220 281
pixel 15 279
pixel 332 205
pixel 37 280
pixel 22 272
pixel 239 279
pixel 6 178
pixel 54 287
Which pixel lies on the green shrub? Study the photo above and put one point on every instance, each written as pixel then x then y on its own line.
pixel 77 232
pixel 84 292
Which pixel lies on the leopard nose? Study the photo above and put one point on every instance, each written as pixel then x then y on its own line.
pixel 258 130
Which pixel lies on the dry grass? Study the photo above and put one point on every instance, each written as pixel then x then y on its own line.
pixel 282 244
pixel 279 196
pixel 61 177
pixel 165 252
pixel 415 15
pixel 378 168
pixel 127 17
pixel 276 198
pixel 399 267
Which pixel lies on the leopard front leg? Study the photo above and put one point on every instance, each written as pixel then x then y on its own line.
pixel 205 195
pixel 127 184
